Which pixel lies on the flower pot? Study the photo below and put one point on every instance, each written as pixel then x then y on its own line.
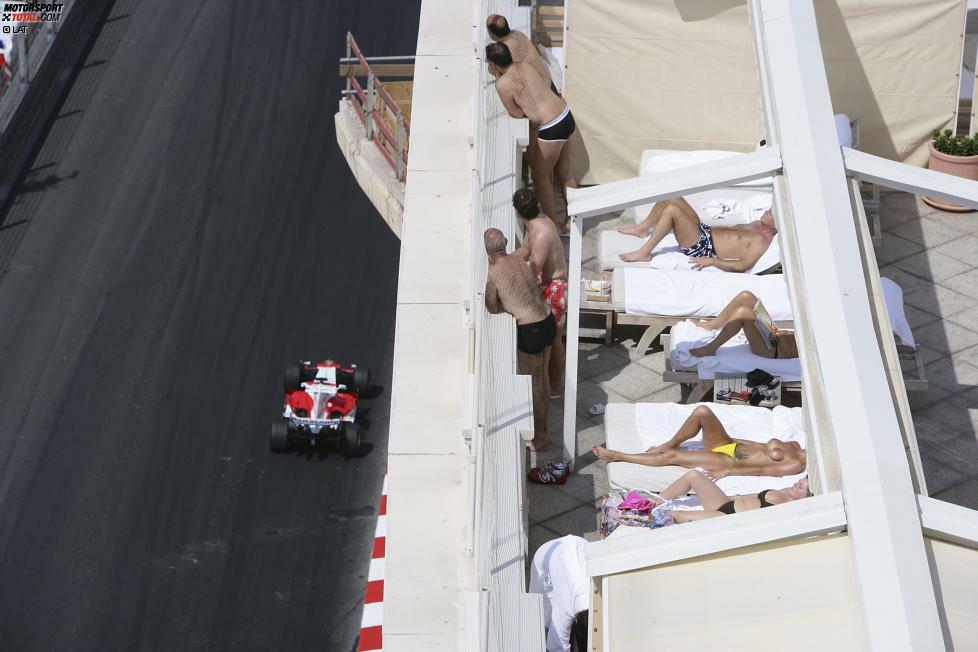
pixel 965 167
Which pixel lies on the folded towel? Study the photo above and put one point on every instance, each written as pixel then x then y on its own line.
pixel 682 357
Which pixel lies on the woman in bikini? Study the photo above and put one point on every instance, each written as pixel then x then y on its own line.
pixel 716 503
pixel 738 316
pixel 722 456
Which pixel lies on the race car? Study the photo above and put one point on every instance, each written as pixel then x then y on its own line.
pixel 320 407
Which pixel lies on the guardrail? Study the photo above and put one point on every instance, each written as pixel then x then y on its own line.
pixel 22 58
pixel 385 123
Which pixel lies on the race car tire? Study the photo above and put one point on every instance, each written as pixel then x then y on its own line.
pixel 361 379
pixel 350 441
pixel 279 440
pixel 293 377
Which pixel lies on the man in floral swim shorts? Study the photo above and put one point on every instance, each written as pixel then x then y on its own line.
pixel 545 253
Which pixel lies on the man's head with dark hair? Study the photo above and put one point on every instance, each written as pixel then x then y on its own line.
pixel 578 632
pixel 499 55
pixel 498 26
pixel 526 204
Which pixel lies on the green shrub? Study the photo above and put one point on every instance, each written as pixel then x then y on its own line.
pixel 947 143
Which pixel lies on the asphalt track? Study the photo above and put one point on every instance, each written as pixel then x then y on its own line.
pixel 189 226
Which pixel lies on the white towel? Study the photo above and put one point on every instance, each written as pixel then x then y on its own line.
pixel 694 294
pixel 734 356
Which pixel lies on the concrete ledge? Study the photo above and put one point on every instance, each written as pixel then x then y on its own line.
pixel 370 168
pixel 437 235
pixel 422 602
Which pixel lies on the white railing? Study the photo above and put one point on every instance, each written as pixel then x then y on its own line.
pixel 501 403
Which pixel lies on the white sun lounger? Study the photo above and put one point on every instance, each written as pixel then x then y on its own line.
pixel 636 427
pixel 668 297
pixel 735 356
pixel 611 243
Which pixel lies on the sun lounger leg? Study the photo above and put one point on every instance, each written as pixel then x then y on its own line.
pixel 648 337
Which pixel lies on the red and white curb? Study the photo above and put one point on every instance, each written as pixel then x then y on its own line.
pixel 372 623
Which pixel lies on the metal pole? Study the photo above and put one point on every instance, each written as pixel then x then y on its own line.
pixel 370 105
pixel 400 146
pixel 349 71
pixel 22 61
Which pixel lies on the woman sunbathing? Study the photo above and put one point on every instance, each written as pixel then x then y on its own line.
pixel 716 503
pixel 739 315
pixel 723 455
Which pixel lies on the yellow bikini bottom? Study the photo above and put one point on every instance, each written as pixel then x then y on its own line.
pixel 726 449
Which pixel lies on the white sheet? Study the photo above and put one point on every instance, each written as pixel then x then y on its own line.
pixel 735 355
pixel 657 423
pixel 667 254
pixel 694 294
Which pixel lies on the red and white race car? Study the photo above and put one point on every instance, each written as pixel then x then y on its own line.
pixel 320 407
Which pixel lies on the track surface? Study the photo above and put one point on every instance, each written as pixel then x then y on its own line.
pixel 191 225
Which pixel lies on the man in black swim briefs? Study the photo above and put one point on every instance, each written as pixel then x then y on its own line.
pixel 512 287
pixel 524 93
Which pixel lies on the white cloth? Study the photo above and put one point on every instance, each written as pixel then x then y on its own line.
pixel 735 211
pixel 843 129
pixel 683 293
pixel 657 423
pixel 557 573
pixel 735 355
pixel 893 297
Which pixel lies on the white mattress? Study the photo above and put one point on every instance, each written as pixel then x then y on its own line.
pixel 735 355
pixel 634 428
pixel 667 254
pixel 693 294
pixel 657 161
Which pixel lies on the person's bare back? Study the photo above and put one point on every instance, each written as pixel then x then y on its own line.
pixel 546 250
pixel 524 51
pixel 512 288
pixel 522 87
pixel 520 46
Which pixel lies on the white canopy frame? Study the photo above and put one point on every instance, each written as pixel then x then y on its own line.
pixel 829 294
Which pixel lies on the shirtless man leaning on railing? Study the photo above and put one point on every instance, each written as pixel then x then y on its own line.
pixel 525 94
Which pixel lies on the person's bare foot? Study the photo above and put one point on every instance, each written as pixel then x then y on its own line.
pixel 603 453
pixel 707 324
pixel 637 256
pixel 635 230
pixel 702 352
pixel 539 443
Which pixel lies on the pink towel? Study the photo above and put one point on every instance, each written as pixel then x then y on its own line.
pixel 637 502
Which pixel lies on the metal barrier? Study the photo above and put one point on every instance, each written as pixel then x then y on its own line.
pixel 21 63
pixel 391 136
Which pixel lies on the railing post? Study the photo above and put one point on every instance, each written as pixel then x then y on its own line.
pixel 349 69
pixel 22 60
pixel 370 105
pixel 400 146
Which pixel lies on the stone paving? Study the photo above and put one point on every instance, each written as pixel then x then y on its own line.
pixel 932 254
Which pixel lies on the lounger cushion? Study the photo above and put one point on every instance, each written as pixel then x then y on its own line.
pixel 633 428
pixel 695 294
pixel 657 161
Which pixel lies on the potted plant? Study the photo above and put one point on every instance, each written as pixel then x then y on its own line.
pixel 957 155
